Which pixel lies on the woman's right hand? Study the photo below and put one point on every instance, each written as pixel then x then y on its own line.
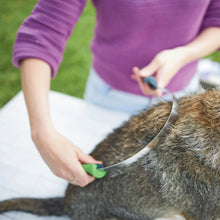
pixel 62 156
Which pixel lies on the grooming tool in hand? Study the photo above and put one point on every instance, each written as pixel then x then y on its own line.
pixel 95 170
pixel 99 171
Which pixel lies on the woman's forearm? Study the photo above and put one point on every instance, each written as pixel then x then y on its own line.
pixel 61 155
pixel 204 44
pixel 35 77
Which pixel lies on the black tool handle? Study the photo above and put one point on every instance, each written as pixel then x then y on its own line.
pixel 151 81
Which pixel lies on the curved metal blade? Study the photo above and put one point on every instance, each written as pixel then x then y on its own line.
pixel 171 120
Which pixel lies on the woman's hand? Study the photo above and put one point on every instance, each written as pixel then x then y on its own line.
pixel 168 62
pixel 62 157
pixel 164 67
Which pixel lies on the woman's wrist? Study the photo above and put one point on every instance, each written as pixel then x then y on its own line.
pixel 185 56
pixel 204 44
pixel 40 130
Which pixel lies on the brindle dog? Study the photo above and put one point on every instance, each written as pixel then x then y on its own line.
pixel 181 175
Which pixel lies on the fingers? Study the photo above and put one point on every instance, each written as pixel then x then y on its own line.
pixel 164 66
pixel 85 158
pixel 64 158
pixel 139 75
pixel 144 87
pixel 80 177
pixel 153 68
pixel 74 174
pixel 150 69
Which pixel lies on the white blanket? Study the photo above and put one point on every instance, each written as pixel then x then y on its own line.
pixel 22 171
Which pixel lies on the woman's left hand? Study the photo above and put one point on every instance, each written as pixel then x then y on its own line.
pixel 164 66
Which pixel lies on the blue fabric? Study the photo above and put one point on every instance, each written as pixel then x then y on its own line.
pixel 101 94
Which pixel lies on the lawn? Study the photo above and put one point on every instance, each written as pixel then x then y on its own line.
pixel 73 72
pixel 74 69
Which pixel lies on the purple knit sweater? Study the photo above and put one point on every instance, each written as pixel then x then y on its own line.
pixel 128 33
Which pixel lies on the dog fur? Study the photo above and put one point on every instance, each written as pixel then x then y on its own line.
pixel 181 175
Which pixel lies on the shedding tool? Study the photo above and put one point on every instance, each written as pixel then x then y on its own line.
pixel 99 171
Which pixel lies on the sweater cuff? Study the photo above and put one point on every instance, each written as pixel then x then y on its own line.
pixel 25 53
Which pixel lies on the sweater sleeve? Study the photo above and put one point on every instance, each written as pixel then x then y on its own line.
pixel 212 16
pixel 44 33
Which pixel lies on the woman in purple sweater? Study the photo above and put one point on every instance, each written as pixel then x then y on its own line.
pixel 164 37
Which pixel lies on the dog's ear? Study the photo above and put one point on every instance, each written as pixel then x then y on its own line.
pixel 210 102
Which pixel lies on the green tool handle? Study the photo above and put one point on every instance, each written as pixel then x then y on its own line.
pixel 94 170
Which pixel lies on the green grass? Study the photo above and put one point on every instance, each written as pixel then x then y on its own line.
pixel 73 72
